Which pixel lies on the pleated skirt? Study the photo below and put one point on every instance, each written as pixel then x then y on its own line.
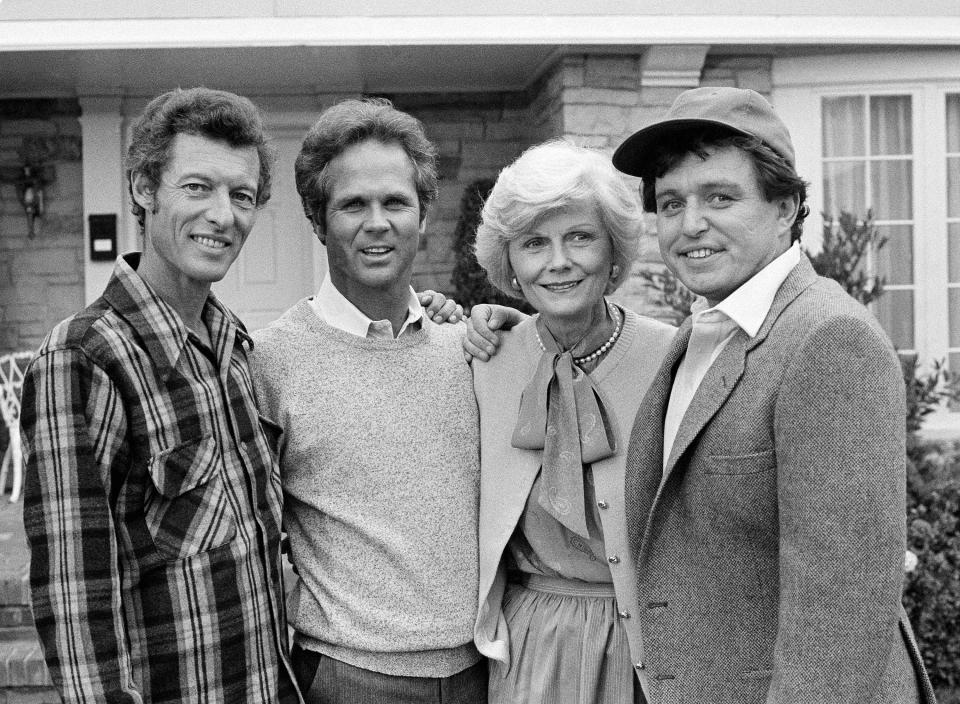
pixel 567 645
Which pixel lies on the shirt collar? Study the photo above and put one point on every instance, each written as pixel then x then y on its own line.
pixel 161 329
pixel 336 310
pixel 749 305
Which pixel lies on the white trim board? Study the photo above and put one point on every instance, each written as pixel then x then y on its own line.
pixel 629 29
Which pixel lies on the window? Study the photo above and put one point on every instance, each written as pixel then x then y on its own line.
pixel 868 165
pixel 953 227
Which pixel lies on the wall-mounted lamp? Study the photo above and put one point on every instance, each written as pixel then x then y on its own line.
pixel 30 192
pixel 30 180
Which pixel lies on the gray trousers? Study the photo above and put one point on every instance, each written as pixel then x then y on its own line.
pixel 325 680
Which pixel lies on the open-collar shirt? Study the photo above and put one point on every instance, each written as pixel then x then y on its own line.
pixel 744 309
pixel 152 507
pixel 336 310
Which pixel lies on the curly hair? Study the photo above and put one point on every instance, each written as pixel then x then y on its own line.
pixel 351 122
pixel 199 111
pixel 549 177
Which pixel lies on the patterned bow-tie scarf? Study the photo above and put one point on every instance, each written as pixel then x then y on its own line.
pixel 563 414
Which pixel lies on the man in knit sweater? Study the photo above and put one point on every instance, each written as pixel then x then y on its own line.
pixel 377 432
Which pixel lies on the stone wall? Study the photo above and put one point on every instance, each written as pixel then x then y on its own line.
pixel 604 100
pixel 41 278
pixel 752 72
pixel 476 136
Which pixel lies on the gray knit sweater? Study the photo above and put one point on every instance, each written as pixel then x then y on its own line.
pixel 380 472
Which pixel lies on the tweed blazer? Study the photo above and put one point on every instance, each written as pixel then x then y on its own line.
pixel 769 549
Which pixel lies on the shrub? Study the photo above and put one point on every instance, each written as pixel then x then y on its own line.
pixel 470 282
pixel 669 293
pixel 926 391
pixel 847 242
pixel 932 591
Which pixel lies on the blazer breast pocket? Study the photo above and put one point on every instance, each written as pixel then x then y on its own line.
pixel 186 509
pixel 738 493
pixel 749 463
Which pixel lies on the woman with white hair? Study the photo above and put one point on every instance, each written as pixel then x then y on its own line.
pixel 560 230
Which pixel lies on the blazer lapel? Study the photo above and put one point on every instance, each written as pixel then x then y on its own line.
pixel 645 450
pixel 798 280
pixel 716 387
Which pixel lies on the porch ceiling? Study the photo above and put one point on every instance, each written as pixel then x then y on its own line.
pixel 274 70
pixel 305 70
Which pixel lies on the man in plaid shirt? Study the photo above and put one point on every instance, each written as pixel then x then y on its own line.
pixel 152 502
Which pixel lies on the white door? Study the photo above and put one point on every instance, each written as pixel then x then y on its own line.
pixel 281 261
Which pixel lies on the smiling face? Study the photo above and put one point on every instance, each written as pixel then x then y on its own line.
pixel 563 267
pixel 198 216
pixel 715 228
pixel 372 223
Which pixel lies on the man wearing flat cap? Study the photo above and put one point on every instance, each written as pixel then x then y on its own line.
pixel 765 481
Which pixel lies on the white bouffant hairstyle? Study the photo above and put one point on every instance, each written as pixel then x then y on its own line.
pixel 552 176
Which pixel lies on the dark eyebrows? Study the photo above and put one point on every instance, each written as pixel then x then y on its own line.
pixel 350 197
pixel 719 184
pixel 663 194
pixel 723 185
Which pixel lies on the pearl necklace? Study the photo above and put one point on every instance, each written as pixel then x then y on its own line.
pixel 602 349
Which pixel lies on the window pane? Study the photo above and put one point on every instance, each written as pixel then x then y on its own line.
pixel 844 188
pixel 954 365
pixel 892 190
pixel 953 187
pixel 843 127
pixel 894 310
pixel 953 310
pixel 894 261
pixel 953 122
pixel 953 252
pixel 890 125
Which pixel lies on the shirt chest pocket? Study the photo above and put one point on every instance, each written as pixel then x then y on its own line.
pixel 186 507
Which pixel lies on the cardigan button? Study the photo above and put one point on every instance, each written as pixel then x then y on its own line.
pixel 613 559
pixel 640 665
pixel 603 504
pixel 624 614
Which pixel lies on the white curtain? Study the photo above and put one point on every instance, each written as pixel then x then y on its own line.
pixel 856 131
pixel 844 136
pixel 953 229
pixel 953 162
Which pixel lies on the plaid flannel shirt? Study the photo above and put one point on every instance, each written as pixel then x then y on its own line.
pixel 152 508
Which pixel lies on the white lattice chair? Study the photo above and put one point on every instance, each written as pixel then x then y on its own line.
pixel 12 367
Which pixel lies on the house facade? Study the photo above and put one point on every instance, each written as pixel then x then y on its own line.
pixel 870 92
